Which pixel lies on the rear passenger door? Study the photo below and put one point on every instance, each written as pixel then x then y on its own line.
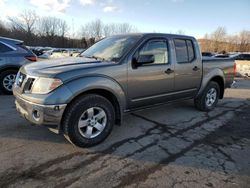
pixel 188 68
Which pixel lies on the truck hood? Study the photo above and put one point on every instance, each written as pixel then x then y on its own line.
pixel 50 68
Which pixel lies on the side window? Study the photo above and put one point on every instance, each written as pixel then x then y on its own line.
pixel 184 50
pixel 4 48
pixel 158 48
pixel 190 50
pixel 181 51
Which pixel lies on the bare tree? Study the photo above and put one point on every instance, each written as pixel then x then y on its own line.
pixel 52 26
pixel 180 32
pixel 118 28
pixel 109 29
pixel 3 30
pixel 63 28
pixel 53 30
pixel 48 26
pixel 93 29
pixel 24 22
pixel 97 29
pixel 218 36
pixel 219 41
pixel 206 44
pixel 231 43
pixel 125 28
pixel 244 40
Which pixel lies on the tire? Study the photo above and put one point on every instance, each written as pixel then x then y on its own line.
pixel 79 113
pixel 207 100
pixel 7 78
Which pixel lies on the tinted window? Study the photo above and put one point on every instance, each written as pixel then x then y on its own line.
pixel 4 48
pixel 158 48
pixel 243 57
pixel 246 56
pixel 190 50
pixel 181 51
pixel 24 47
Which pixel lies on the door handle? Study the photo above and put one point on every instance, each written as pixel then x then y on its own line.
pixel 196 68
pixel 169 71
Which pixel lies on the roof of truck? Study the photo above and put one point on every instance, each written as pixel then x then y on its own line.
pixel 157 34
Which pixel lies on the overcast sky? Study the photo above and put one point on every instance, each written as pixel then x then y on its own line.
pixel 194 17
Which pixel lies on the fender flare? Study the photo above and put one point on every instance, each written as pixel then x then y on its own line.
pixel 9 67
pixel 208 77
pixel 85 84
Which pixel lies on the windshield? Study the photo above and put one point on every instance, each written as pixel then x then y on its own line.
pixel 110 48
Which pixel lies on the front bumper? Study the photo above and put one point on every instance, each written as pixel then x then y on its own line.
pixel 49 115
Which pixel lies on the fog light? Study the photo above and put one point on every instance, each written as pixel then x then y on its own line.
pixel 36 115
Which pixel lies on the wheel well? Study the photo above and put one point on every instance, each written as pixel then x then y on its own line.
pixel 8 68
pixel 220 82
pixel 108 95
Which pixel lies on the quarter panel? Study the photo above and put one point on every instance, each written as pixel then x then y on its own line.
pixel 209 75
pixel 217 67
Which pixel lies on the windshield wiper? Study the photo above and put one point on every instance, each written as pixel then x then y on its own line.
pixel 91 57
pixel 95 57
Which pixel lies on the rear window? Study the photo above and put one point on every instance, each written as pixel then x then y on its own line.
pixel 24 47
pixel 4 48
pixel 184 50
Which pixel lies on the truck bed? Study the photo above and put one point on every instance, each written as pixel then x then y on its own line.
pixel 224 64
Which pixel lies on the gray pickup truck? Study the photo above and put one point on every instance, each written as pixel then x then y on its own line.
pixel 84 97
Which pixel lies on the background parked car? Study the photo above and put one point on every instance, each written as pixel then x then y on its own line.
pixel 43 53
pixel 13 54
pixel 242 57
pixel 207 54
pixel 222 56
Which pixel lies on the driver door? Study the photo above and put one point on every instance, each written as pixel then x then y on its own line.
pixel 151 83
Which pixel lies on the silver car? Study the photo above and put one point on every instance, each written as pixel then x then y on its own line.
pixel 13 54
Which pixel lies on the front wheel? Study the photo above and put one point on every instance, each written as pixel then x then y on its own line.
pixel 89 120
pixel 209 97
pixel 7 79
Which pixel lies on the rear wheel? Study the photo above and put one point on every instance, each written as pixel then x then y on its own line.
pixel 7 79
pixel 89 120
pixel 209 97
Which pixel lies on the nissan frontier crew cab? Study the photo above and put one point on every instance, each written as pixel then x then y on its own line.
pixel 83 97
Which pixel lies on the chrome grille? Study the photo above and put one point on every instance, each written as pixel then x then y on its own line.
pixel 28 85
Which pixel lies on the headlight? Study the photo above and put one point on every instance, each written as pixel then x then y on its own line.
pixel 45 85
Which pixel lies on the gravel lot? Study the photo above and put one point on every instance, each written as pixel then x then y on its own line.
pixel 169 146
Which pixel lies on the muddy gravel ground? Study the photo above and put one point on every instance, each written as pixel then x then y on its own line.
pixel 173 145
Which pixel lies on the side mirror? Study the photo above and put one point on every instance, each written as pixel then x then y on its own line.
pixel 145 59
